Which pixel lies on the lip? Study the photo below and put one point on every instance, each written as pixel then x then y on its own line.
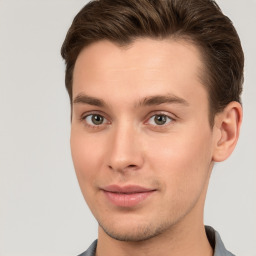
pixel 127 196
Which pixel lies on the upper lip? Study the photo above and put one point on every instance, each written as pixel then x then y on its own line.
pixel 127 189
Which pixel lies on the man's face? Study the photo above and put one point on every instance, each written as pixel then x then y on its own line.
pixel 141 141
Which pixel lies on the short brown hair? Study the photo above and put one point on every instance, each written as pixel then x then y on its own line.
pixel 200 21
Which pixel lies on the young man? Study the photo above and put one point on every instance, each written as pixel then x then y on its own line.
pixel 155 95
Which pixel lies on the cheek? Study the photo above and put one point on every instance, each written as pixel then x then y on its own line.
pixel 182 162
pixel 86 157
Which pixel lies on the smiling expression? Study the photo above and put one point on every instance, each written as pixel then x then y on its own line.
pixel 141 141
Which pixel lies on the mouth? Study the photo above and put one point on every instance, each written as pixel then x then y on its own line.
pixel 127 196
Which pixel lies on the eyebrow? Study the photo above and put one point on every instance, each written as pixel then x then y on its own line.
pixel 161 99
pixel 85 99
pixel 147 101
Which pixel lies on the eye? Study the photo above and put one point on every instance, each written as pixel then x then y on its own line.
pixel 95 120
pixel 159 120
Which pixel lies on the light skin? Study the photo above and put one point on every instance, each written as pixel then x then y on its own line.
pixel 140 117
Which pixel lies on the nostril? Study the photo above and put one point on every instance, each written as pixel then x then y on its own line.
pixel 132 166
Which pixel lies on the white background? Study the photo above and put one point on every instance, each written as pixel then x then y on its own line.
pixel 42 211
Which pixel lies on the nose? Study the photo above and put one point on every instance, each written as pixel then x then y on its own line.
pixel 125 150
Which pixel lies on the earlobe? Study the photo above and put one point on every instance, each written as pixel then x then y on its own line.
pixel 227 124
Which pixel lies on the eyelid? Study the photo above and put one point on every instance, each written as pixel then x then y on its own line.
pixel 94 112
pixel 171 116
pixel 91 123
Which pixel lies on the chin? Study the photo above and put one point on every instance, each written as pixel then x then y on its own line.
pixel 133 233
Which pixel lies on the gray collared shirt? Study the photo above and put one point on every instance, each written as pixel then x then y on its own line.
pixel 212 235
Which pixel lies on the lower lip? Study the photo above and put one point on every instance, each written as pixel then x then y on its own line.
pixel 127 200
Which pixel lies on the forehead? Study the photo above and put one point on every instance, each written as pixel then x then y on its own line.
pixel 146 66
pixel 145 53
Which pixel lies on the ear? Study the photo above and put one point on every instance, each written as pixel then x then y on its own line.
pixel 227 128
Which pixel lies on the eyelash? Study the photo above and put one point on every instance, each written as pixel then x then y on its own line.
pixel 93 126
pixel 100 126
pixel 167 118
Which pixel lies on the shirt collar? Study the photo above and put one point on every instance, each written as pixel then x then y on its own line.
pixel 216 242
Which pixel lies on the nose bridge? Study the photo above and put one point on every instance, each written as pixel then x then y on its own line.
pixel 125 150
